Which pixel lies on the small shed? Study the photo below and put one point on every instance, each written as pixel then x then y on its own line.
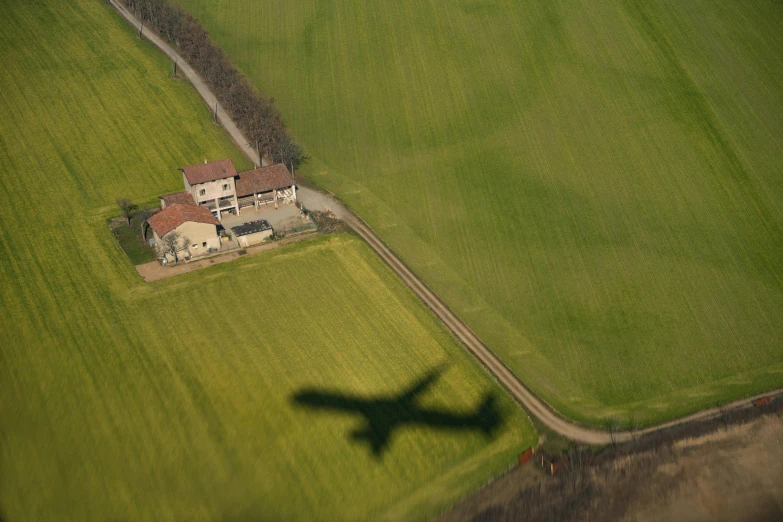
pixel 252 233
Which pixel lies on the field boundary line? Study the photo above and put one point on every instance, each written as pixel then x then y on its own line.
pixel 536 406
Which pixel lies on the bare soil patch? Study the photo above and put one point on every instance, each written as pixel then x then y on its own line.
pixel 328 222
pixel 726 470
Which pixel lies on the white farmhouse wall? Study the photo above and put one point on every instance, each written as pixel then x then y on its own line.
pixel 197 234
pixel 212 190
pixel 253 239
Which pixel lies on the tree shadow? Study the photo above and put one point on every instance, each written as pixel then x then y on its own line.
pixel 384 415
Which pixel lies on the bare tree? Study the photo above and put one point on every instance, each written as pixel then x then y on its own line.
pixel 171 243
pixel 127 207
pixel 289 153
pixel 614 426
pixel 634 426
pixel 144 215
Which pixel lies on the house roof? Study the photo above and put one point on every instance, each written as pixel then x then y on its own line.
pixel 263 180
pixel 171 217
pixel 184 198
pixel 205 172
pixel 252 227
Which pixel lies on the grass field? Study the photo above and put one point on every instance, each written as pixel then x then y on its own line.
pixel 596 188
pixel 121 400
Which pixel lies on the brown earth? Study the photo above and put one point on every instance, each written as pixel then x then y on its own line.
pixel 728 470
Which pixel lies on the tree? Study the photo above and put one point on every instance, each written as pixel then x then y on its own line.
pixel 171 243
pixel 634 428
pixel 614 427
pixel 289 153
pixel 145 214
pixel 127 207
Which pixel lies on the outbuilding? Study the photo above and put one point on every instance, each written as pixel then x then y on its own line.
pixel 253 232
pixel 272 184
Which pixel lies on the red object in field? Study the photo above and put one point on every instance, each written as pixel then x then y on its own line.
pixel 555 466
pixel 524 457
pixel 762 401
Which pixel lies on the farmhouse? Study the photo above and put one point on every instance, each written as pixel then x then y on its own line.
pixel 218 187
pixel 211 185
pixel 194 228
pixel 213 189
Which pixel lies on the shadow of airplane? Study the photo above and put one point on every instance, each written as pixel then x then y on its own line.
pixel 384 415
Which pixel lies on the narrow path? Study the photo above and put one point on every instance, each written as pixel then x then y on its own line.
pixel 185 69
pixel 318 201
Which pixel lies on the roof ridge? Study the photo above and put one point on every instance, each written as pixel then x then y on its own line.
pixel 264 167
pixel 210 171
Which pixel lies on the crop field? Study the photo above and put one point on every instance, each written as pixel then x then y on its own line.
pixel 596 188
pixel 184 399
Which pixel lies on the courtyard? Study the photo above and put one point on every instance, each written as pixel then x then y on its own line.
pixel 285 220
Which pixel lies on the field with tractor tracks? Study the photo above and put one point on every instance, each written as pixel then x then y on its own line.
pixel 178 400
pixel 595 188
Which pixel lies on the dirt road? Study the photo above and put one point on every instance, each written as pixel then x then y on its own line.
pixel 317 201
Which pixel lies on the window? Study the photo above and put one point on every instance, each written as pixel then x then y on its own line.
pixel 226 186
pixel 202 192
pixel 204 244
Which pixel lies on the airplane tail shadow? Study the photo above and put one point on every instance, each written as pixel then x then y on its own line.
pixel 489 418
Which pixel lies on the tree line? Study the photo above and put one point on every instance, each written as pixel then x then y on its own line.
pixel 255 114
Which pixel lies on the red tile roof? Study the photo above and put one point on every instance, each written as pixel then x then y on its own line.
pixel 205 172
pixel 263 180
pixel 171 217
pixel 183 198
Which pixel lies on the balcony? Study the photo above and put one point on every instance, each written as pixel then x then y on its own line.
pixel 221 204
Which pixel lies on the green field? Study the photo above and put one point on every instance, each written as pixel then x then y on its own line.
pixel 596 188
pixel 121 400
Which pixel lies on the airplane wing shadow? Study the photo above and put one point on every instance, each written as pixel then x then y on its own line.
pixel 383 416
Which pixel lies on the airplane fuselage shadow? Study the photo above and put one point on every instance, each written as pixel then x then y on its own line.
pixel 383 416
